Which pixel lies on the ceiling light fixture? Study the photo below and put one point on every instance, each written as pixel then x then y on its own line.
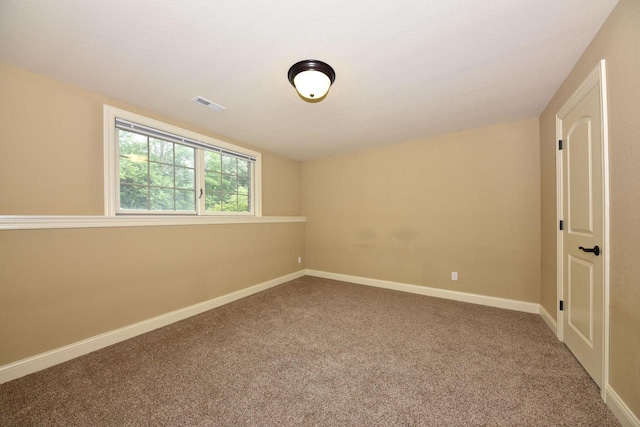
pixel 312 79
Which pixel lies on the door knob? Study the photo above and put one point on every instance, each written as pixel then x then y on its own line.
pixel 595 250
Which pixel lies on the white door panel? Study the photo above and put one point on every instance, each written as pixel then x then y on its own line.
pixel 579 176
pixel 580 300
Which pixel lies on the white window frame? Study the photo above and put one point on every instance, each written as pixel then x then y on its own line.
pixel 112 173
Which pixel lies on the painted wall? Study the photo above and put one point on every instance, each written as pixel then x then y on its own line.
pixel 49 129
pixel 618 42
pixel 414 212
pixel 61 286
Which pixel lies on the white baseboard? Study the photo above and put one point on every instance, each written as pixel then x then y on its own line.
pixel 42 361
pixel 527 307
pixel 549 320
pixel 620 409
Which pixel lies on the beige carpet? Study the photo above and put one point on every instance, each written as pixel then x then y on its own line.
pixel 321 352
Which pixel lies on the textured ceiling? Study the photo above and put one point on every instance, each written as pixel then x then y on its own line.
pixel 405 69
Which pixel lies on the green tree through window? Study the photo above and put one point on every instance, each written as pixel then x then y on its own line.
pixel 156 175
pixel 161 175
pixel 227 183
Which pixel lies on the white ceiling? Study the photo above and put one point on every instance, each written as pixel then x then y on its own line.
pixel 405 69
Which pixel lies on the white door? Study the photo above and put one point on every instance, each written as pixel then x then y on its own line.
pixel 583 234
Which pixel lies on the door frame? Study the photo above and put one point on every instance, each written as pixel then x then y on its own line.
pixel 597 76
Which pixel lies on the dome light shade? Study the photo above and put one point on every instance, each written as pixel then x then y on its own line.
pixel 312 79
pixel 312 84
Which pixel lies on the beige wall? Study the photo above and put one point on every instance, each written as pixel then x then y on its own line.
pixel 61 286
pixel 48 129
pixel 618 42
pixel 280 186
pixel 415 212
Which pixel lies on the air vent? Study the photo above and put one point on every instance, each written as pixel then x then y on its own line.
pixel 209 104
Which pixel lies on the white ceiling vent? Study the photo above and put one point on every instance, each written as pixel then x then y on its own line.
pixel 209 104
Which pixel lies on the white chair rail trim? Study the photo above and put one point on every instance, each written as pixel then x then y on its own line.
pixel 30 222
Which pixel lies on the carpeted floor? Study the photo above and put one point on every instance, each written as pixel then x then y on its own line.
pixel 321 352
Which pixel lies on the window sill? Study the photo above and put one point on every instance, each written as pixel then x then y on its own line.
pixel 31 222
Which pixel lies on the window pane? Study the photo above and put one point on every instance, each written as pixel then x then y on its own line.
pixel 161 175
pixel 211 161
pixel 230 203
pixel 160 151
pixel 243 203
pixel 229 164
pixel 212 182
pixel 185 156
pixel 185 200
pixel 212 202
pixel 243 167
pixel 133 172
pixel 161 199
pixel 185 178
pixel 133 197
pixel 243 185
pixel 229 183
pixel 133 146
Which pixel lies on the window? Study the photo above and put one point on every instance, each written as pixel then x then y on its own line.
pixel 227 183
pixel 155 168
pixel 155 174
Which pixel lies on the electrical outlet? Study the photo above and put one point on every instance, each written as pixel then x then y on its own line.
pixel 454 275
pixel 299 260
